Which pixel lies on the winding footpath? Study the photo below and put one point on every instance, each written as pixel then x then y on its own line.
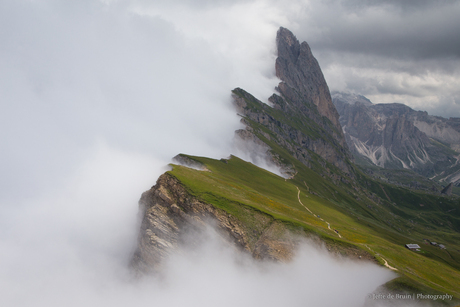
pixel 328 225
pixel 384 260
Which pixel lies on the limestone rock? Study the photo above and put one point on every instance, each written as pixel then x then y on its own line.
pixel 309 122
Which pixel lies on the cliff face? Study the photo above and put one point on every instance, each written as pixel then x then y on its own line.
pixel 172 218
pixel 396 136
pixel 302 79
pixel 302 118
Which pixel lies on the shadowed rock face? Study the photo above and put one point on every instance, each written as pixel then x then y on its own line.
pixel 300 72
pixel 448 190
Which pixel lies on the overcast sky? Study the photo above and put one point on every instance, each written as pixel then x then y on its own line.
pixel 389 51
pixel 98 95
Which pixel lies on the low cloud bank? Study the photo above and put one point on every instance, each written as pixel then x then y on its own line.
pixel 73 264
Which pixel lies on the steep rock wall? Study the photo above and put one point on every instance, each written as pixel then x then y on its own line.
pixel 170 214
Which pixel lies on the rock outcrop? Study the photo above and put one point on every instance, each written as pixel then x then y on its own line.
pixel 448 189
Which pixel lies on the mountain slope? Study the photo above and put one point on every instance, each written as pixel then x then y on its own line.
pixel 260 212
pixel 326 197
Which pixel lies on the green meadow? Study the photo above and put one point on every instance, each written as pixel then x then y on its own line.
pixel 380 219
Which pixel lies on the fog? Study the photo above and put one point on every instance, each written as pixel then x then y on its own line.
pixel 97 97
pixel 213 274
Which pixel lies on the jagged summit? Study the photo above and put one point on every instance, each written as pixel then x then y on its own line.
pixel 349 98
pixel 303 118
pixel 300 72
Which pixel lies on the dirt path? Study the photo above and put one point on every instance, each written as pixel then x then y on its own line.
pixel 328 225
pixel 384 260
pixel 298 197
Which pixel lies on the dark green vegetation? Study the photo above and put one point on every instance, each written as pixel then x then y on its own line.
pixel 292 134
pixel 400 177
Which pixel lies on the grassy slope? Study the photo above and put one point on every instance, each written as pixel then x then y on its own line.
pixel 233 184
pixel 380 217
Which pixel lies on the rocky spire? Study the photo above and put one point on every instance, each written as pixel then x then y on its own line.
pixel 299 70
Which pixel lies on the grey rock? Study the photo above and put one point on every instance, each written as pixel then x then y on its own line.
pixel 302 78
pixel 448 189
pixel 398 137
pixel 174 220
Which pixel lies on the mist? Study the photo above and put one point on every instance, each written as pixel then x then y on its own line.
pixel 97 97
pixel 210 274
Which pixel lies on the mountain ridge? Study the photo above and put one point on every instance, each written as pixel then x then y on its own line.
pixel 325 197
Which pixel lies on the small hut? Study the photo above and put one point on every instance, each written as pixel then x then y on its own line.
pixel 413 247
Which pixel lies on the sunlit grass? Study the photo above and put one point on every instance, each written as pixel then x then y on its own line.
pixel 239 187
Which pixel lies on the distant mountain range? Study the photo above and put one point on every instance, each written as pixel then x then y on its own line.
pixel 394 136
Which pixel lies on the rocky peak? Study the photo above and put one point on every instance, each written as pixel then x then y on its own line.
pixel 349 98
pixel 299 70
pixel 302 117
